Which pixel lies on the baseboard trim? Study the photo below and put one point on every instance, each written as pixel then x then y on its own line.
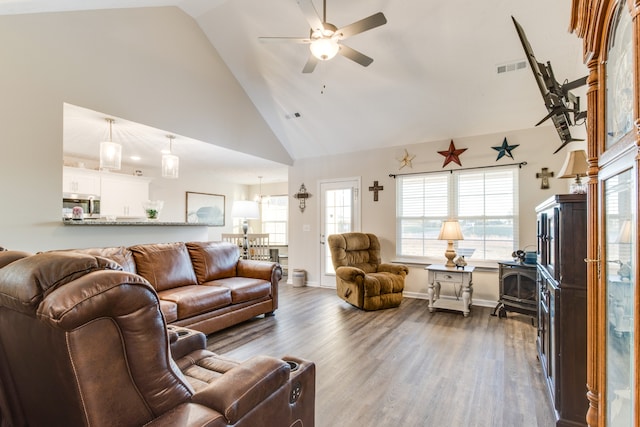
pixel 478 302
pixel 415 295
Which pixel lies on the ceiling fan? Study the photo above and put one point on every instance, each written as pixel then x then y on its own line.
pixel 325 38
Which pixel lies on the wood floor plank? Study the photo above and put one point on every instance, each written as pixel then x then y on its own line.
pixel 404 366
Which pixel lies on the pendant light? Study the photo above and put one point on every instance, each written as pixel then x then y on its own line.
pixel 110 152
pixel 170 162
pixel 260 198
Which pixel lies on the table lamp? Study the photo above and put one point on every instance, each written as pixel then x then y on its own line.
pixel 575 166
pixel 450 231
pixel 245 210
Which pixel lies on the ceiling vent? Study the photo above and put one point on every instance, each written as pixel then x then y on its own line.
pixel 511 66
pixel 292 116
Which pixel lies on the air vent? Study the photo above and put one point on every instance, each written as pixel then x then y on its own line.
pixel 292 116
pixel 511 66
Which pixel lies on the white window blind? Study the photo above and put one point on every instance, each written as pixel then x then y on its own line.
pixel 275 217
pixel 485 202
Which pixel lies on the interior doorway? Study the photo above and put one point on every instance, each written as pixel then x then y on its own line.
pixel 339 213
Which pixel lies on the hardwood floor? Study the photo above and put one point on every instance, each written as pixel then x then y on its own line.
pixel 404 366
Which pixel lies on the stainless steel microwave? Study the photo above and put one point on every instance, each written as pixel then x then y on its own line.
pixel 89 203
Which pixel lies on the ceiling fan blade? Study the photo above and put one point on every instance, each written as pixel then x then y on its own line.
pixel 310 13
pixel 284 40
pixel 310 65
pixel 355 56
pixel 365 24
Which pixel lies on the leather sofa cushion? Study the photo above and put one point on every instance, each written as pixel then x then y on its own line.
pixel 195 299
pixel 243 288
pixel 119 254
pixel 7 257
pixel 213 260
pixel 169 310
pixel 164 265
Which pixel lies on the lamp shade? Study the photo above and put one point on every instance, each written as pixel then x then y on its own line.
pixel 625 232
pixel 575 165
pixel 245 209
pixel 450 230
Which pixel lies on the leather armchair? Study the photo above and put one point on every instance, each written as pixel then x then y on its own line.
pixel 362 279
pixel 83 343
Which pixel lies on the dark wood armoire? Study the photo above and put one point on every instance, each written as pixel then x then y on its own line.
pixel 562 304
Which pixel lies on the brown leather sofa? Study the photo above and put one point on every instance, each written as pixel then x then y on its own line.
pixel 362 279
pixel 201 285
pixel 83 343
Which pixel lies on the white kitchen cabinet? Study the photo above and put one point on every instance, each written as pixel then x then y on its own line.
pixel 80 181
pixel 123 195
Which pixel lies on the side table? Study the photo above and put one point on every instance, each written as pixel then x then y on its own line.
pixel 461 280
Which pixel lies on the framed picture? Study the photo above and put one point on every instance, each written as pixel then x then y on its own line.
pixel 203 208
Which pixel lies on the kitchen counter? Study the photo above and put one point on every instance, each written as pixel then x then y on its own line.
pixel 128 222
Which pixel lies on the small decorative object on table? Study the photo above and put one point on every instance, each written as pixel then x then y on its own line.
pixel 152 208
pixel 77 213
pixel 518 256
pixel 460 262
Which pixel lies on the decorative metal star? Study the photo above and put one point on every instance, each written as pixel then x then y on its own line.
pixel 406 160
pixel 451 155
pixel 505 149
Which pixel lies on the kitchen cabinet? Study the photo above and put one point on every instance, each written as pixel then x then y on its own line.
pixel 123 195
pixel 80 181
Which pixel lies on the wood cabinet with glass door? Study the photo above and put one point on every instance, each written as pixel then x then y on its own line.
pixel 610 31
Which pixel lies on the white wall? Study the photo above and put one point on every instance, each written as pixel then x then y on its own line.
pixel 536 147
pixel 150 65
pixel 155 66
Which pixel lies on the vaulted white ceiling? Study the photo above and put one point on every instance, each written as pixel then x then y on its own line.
pixel 433 77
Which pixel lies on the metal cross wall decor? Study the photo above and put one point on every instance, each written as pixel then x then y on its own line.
pixel 375 190
pixel 302 197
pixel 544 174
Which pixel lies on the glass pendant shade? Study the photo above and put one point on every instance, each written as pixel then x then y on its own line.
pixel 170 166
pixel 110 152
pixel 170 162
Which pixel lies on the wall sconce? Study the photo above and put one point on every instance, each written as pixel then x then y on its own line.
pixel 302 196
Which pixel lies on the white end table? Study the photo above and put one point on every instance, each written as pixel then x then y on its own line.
pixel 460 279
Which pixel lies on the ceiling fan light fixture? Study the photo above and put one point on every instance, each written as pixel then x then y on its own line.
pixel 324 48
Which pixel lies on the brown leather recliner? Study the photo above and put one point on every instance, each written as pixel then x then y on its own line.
pixel 361 278
pixel 83 343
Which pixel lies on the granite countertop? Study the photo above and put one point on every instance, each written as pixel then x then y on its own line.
pixel 128 222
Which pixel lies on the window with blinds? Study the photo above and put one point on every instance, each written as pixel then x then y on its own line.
pixel 275 216
pixel 485 202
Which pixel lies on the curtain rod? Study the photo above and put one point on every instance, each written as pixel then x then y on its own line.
pixel 520 165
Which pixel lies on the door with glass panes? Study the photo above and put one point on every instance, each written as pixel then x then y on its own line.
pixel 339 213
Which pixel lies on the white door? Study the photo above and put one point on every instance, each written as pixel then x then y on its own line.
pixel 339 213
